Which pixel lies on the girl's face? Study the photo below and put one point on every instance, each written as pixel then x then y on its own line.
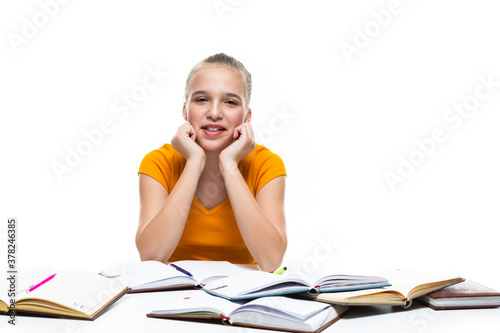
pixel 216 105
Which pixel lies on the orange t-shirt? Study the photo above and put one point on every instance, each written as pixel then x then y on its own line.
pixel 212 234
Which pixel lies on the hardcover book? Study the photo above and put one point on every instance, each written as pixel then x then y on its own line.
pixel 157 276
pixel 67 294
pixel 277 312
pixel 253 284
pixel 464 295
pixel 406 286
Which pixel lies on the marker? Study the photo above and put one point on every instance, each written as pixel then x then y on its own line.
pixel 280 271
pixel 41 283
pixel 181 270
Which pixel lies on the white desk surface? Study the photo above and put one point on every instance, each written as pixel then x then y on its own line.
pixel 129 315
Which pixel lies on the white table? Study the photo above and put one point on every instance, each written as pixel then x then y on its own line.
pixel 129 315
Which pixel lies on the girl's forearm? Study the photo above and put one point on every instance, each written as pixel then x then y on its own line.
pixel 160 235
pixel 262 237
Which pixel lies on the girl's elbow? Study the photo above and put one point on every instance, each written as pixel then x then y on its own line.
pixel 151 256
pixel 147 253
pixel 271 263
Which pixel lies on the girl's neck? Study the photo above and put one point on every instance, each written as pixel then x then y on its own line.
pixel 211 173
pixel 211 190
pixel 212 162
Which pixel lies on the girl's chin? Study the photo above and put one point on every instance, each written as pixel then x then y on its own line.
pixel 214 145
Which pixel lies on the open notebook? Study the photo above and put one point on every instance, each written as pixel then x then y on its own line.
pixel 277 312
pixel 155 275
pixel 406 286
pixel 253 284
pixel 67 294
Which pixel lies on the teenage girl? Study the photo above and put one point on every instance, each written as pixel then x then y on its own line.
pixel 213 193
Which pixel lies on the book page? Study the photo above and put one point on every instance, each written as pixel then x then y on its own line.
pixel 383 295
pixel 352 282
pixel 402 284
pixel 404 281
pixel 197 301
pixel 143 272
pixel 326 316
pixel 286 314
pixel 255 284
pixel 26 277
pixel 285 307
pixel 204 271
pixel 326 279
pixel 82 291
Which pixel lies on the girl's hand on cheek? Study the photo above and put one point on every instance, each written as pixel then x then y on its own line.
pixel 243 144
pixel 184 141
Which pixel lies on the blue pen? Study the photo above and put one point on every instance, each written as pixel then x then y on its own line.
pixel 181 270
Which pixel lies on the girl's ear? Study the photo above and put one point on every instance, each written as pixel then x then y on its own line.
pixel 248 117
pixel 184 112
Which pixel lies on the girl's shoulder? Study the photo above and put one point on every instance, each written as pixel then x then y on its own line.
pixel 164 164
pixel 166 154
pixel 262 155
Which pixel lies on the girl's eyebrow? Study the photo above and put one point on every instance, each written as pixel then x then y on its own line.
pixel 233 95
pixel 204 92
pixel 200 92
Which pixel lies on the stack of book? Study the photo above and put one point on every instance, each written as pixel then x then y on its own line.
pixel 233 295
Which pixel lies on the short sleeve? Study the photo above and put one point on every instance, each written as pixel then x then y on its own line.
pixel 266 166
pixel 156 164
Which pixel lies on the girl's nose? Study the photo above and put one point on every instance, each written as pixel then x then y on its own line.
pixel 215 111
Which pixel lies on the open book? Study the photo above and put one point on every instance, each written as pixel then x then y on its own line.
pixel 67 294
pixel 406 286
pixel 268 312
pixel 253 284
pixel 155 275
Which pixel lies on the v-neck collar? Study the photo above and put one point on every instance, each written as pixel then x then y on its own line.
pixel 213 210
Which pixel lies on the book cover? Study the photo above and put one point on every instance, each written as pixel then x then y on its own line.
pixel 464 295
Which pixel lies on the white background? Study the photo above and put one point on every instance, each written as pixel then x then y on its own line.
pixel 349 120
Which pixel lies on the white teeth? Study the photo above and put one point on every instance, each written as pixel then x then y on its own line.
pixel 213 129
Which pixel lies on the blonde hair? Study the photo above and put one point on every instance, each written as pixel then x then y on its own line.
pixel 223 59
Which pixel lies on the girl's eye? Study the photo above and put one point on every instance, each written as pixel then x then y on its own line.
pixel 232 102
pixel 201 99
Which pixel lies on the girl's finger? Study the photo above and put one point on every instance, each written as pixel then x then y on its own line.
pixel 190 131
pixel 250 131
pixel 237 132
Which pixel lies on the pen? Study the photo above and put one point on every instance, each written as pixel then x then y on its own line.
pixel 41 283
pixel 280 271
pixel 181 270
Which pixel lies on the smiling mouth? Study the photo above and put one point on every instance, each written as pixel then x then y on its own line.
pixel 213 129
